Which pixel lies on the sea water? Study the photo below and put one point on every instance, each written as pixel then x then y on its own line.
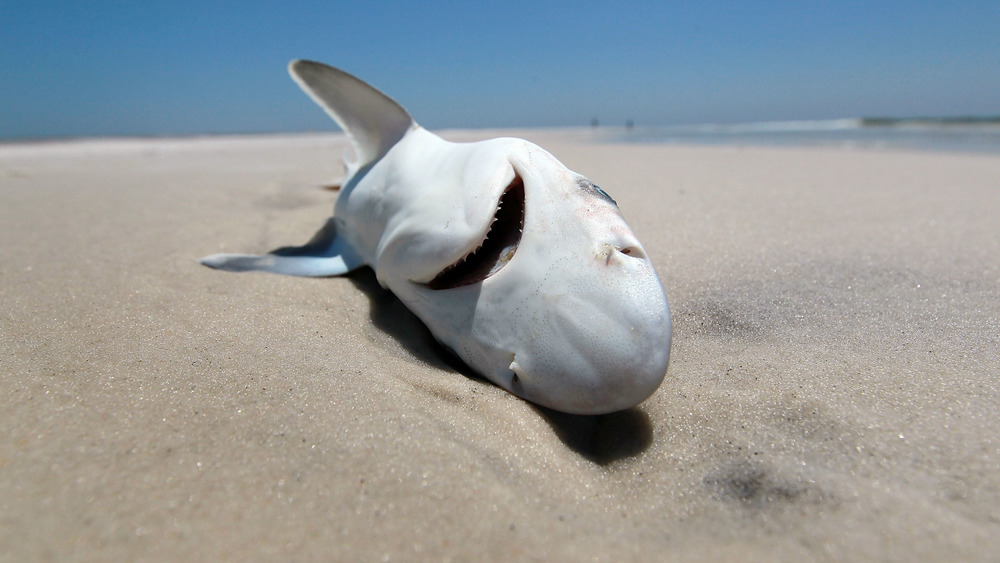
pixel 961 135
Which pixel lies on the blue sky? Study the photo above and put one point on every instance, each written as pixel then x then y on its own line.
pixel 183 67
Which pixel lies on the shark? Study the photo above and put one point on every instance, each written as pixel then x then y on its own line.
pixel 524 269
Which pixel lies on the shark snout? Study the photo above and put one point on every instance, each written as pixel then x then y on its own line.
pixel 595 352
pixel 588 384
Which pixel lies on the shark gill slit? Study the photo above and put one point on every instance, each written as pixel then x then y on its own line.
pixel 496 250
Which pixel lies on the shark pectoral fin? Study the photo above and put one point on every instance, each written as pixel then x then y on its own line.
pixel 288 265
pixel 325 254
pixel 373 121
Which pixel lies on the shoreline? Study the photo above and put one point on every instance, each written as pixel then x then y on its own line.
pixel 937 135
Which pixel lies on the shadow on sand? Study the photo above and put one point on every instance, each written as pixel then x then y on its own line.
pixel 602 439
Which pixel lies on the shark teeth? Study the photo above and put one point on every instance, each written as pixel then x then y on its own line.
pixel 497 247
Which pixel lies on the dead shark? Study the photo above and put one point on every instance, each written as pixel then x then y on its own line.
pixel 523 268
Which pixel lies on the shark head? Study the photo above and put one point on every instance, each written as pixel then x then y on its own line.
pixel 522 267
pixel 552 297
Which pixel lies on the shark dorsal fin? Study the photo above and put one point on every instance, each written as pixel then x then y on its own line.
pixel 373 121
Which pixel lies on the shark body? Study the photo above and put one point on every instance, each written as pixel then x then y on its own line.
pixel 523 268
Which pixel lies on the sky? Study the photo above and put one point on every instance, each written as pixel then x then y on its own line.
pixel 98 68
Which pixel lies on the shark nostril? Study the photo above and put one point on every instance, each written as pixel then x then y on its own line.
pixel 632 251
pixel 515 378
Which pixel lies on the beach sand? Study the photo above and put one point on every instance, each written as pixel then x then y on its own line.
pixel 833 391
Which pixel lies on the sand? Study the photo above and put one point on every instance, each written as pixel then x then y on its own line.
pixel 832 395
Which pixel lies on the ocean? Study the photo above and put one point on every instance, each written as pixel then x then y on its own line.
pixel 974 135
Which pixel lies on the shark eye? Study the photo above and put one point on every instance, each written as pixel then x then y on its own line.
pixel 593 188
pixel 497 248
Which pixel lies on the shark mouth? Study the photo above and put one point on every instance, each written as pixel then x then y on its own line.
pixel 497 247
